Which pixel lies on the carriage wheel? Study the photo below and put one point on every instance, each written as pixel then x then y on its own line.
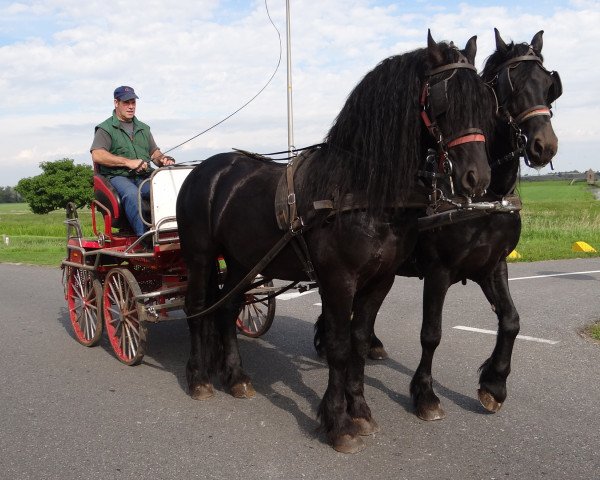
pixel 256 318
pixel 122 316
pixel 84 299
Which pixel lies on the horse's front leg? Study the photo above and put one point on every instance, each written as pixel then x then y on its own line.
pixel 233 376
pixel 376 350
pixel 427 404
pixel 495 370
pixel 365 308
pixel 204 340
pixel 333 414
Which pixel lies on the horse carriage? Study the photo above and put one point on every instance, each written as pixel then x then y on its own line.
pixel 422 142
pixel 119 282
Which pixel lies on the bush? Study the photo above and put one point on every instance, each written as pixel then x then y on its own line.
pixel 61 182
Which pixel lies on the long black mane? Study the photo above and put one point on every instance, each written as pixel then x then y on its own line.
pixel 376 142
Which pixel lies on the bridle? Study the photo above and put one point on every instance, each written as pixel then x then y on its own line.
pixel 502 87
pixel 434 103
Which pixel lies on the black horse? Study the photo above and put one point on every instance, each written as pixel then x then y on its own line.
pixel 374 152
pixel 476 249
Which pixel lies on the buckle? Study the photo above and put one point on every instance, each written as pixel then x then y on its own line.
pixel 296 226
pixel 291 198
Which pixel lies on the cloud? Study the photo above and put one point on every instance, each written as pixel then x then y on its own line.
pixel 197 63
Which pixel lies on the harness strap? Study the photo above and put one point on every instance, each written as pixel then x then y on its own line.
pixel 451 66
pixel 534 111
pixel 291 198
pixel 466 136
pixel 523 58
pixel 466 139
pixel 247 280
pixel 351 202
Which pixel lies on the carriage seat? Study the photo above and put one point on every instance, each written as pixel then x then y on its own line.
pixel 105 194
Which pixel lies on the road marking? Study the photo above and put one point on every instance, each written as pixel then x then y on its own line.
pixel 493 332
pixel 291 295
pixel 554 275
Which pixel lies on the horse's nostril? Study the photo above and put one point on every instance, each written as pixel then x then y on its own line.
pixel 471 181
pixel 538 147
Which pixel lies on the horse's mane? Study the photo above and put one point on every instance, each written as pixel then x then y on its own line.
pixel 377 142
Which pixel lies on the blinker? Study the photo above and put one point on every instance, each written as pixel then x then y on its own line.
pixel 555 89
pixel 438 97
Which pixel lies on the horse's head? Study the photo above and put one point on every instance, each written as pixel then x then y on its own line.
pixel 456 110
pixel 525 92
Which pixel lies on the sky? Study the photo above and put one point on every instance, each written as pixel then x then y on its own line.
pixel 195 62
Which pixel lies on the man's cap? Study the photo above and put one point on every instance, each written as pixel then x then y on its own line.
pixel 124 93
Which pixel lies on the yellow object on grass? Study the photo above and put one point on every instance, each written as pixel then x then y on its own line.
pixel 583 247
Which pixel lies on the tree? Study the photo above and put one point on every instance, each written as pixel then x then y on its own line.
pixel 9 195
pixel 61 182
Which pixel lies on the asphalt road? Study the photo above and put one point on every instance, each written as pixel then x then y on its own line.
pixel 70 412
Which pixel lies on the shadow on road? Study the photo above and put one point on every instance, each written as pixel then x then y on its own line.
pixel 276 363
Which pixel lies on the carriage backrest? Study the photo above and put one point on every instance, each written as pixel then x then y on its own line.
pixel 164 188
pixel 106 195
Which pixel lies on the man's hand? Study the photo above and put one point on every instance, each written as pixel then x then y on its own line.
pixel 138 165
pixel 161 160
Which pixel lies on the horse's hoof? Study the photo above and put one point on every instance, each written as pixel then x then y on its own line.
pixel 348 444
pixel 488 401
pixel 378 353
pixel 202 392
pixel 242 390
pixel 366 427
pixel 432 413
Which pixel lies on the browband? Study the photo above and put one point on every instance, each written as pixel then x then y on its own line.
pixel 450 66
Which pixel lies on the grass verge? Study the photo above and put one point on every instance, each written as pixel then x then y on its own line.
pixel 555 215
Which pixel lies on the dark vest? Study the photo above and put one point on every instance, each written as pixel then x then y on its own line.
pixel 123 145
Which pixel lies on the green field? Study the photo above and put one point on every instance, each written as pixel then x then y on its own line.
pixel 555 215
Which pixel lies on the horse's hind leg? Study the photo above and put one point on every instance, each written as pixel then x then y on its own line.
pixel 377 350
pixel 495 370
pixel 427 404
pixel 233 377
pixel 204 349
pixel 319 337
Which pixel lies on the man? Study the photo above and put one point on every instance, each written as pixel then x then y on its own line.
pixel 123 148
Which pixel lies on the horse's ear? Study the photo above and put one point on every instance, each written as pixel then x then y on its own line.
pixel 537 42
pixel 471 49
pixel 500 44
pixel 433 51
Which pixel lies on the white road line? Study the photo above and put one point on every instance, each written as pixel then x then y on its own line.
pixel 291 295
pixel 492 332
pixel 554 275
